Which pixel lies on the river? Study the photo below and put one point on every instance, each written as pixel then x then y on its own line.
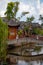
pixel 21 62
pixel 35 53
pixel 30 63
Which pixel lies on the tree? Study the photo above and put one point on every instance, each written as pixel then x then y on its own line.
pixel 42 24
pixel 3 40
pixel 41 18
pixel 12 9
pixel 16 8
pixel 30 19
pixel 36 31
pixel 41 32
pixel 26 29
pixel 20 32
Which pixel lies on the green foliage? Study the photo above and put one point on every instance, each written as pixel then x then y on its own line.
pixel 38 31
pixel 16 8
pixel 41 17
pixel 42 24
pixel 41 32
pixel 26 28
pixel 20 32
pixel 9 13
pixel 12 9
pixel 3 39
pixel 30 19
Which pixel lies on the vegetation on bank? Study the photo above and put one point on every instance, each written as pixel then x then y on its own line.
pixel 38 31
pixel 3 40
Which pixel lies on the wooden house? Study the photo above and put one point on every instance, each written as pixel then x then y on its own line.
pixel 14 26
pixel 13 29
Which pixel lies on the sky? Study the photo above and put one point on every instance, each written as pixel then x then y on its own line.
pixel 34 7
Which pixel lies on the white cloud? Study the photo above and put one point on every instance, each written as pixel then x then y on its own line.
pixel 27 7
pixel 35 8
pixel 3 5
pixel 38 4
pixel 23 7
pixel 41 9
pixel 2 13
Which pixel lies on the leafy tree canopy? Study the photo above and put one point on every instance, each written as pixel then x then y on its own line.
pixel 41 18
pixel 12 9
pixel 38 31
pixel 30 19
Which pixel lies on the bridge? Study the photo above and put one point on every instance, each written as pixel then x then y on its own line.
pixel 26 40
pixel 15 56
pixel 26 58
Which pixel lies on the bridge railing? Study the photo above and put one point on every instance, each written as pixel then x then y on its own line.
pixel 26 40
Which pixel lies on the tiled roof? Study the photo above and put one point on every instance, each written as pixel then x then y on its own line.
pixel 14 22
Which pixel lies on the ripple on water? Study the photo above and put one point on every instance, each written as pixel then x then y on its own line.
pixel 29 63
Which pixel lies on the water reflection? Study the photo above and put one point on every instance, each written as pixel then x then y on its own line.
pixel 35 53
pixel 22 63
pixel 30 63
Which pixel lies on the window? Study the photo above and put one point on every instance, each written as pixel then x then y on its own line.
pixel 12 33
